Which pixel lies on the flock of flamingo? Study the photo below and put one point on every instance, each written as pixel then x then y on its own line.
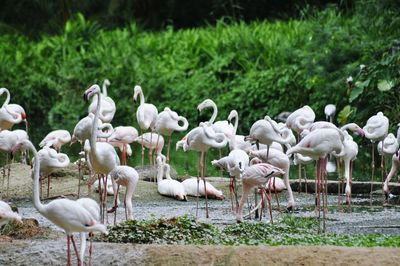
pixel 255 166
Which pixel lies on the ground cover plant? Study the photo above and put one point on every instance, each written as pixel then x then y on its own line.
pixel 289 230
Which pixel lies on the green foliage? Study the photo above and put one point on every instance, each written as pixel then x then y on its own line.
pixel 289 230
pixel 256 68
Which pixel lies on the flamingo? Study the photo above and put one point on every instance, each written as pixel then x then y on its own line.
pixel 102 156
pixel 387 147
pixel 67 214
pixel 353 127
pixel 350 154
pixel 237 141
pixel 167 122
pixel 151 141
pixel 393 170
pixel 168 187
pixel 255 175
pixel 267 131
pixel 121 138
pixel 200 139
pixel 235 163
pixel 146 115
pixel 128 177
pixel 330 110
pixel 51 160
pixel 56 139
pixel 21 135
pixel 281 160
pixel 107 109
pixel 94 209
pixel 198 189
pixel 317 145
pixel 11 114
pixel 7 215
pixel 300 119
pixel 8 144
pixel 376 129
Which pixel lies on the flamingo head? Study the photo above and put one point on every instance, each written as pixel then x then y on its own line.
pixel 90 92
pixel 2 90
pixel 136 91
pixel 106 82
pixel 232 114
pixel 206 103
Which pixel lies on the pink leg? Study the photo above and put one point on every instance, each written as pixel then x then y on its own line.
pixel 68 251
pixel 76 251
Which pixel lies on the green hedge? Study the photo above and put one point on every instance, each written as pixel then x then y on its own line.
pixel 258 68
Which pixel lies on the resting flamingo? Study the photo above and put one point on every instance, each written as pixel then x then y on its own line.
pixel 11 114
pixel 376 129
pixel 255 176
pixel 168 187
pixel 56 139
pixel 128 177
pixel 167 122
pixel 102 156
pixel 281 160
pixel 146 115
pixel 7 215
pixel 107 109
pixel 22 135
pixel 67 214
pixel 200 139
pixel 51 160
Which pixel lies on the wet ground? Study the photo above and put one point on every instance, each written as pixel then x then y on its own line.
pixel 366 216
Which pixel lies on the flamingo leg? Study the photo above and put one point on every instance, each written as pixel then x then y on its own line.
pixel 48 185
pixel 198 181
pixel 339 182
pixel 8 176
pixel 372 170
pixel 269 205
pixel 116 204
pixel 123 155
pixel 299 171
pixel 231 191
pixel 204 181
pixel 221 172
pixel 382 164
pixel 79 174
pixel 68 251
pixel 305 179
pixel 90 248
pixel 256 213
pixel 169 147
pixel 76 251
pixel 141 134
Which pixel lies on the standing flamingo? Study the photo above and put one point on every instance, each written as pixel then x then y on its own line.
pixel 121 138
pixel 376 129
pixel 393 170
pixel 281 160
pixel 267 131
pixel 11 114
pixel 387 147
pixel 22 135
pixel 51 160
pixel 7 215
pixel 255 176
pixel 94 209
pixel 128 177
pixel 102 156
pixel 146 115
pixel 56 139
pixel 237 141
pixel 317 145
pixel 8 144
pixel 200 139
pixel 151 141
pixel 167 122
pixel 107 109
pixel 64 213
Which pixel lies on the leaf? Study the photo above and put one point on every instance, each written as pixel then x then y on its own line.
pixel 344 114
pixel 385 85
pixel 358 89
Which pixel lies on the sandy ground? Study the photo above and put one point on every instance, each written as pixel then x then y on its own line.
pixel 50 248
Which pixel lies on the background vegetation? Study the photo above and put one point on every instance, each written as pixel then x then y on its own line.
pixel 258 68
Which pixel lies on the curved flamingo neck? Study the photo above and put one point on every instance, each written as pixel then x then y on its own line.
pixel 8 97
pixel 104 89
pixel 36 193
pixel 215 112
pixel 95 123
pixel 141 97
pixel 236 123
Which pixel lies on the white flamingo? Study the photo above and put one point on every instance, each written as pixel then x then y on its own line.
pixel 108 108
pixel 7 215
pixel 168 187
pixel 56 139
pixel 11 114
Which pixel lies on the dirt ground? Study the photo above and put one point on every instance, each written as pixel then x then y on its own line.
pixel 50 248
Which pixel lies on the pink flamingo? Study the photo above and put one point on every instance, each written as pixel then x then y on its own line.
pixel 67 214
pixel 121 138
pixel 56 139
pixel 255 176
pixel 11 114
pixel 393 170
pixel 7 215
pixel 167 122
pixel 146 115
